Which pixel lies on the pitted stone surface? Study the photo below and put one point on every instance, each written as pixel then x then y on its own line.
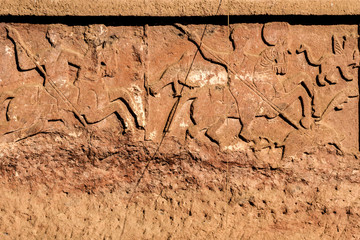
pixel 183 131
pixel 177 8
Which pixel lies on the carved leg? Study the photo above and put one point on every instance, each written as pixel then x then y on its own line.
pixel 321 79
pixel 193 131
pixel 332 77
pixel 299 93
pixel 337 102
pixel 54 113
pixel 6 128
pixel 114 107
pixel 15 123
pixel 154 88
pixel 245 132
pixel 306 81
pixel 348 72
pixel 6 95
pixel 211 132
pixel 300 79
pixel 134 108
pixel 35 128
pixel 303 48
pixel 261 143
pixel 315 105
pixel 177 88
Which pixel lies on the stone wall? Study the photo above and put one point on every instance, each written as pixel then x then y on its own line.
pixel 122 122
pixel 164 8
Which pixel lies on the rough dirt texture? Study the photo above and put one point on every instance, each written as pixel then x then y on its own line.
pixel 177 8
pixel 179 131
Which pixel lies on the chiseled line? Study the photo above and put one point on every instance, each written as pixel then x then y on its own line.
pixel 166 128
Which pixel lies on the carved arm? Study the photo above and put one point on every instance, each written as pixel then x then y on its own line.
pixel 306 50
pixel 207 52
pixel 23 54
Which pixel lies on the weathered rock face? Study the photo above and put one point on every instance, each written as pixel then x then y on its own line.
pixel 179 131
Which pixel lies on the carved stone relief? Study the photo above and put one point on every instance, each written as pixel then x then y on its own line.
pixel 271 88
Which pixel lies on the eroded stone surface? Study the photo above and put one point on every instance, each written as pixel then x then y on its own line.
pixel 259 119
pixel 174 8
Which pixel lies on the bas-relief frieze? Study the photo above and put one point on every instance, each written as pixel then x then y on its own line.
pixel 270 87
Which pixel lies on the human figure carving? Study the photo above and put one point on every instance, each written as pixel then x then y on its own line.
pixel 173 75
pixel 28 111
pixel 272 62
pixel 342 63
pixel 93 69
pixel 53 64
pixel 213 96
pixel 269 65
pixel 31 106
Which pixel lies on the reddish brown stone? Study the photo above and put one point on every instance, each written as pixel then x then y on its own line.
pixel 179 131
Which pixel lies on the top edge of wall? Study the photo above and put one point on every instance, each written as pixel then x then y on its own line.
pixel 177 8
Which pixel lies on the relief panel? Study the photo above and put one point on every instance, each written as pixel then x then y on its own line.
pixel 273 88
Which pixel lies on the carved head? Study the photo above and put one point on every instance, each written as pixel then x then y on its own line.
pixel 95 34
pixel 275 35
pixel 55 34
pixel 347 45
pixel 239 36
pixel 351 47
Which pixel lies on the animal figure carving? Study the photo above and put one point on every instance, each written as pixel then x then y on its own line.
pixel 211 103
pixel 343 64
pixel 270 96
pixel 79 96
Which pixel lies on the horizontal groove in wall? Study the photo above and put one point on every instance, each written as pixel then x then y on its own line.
pixel 221 20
